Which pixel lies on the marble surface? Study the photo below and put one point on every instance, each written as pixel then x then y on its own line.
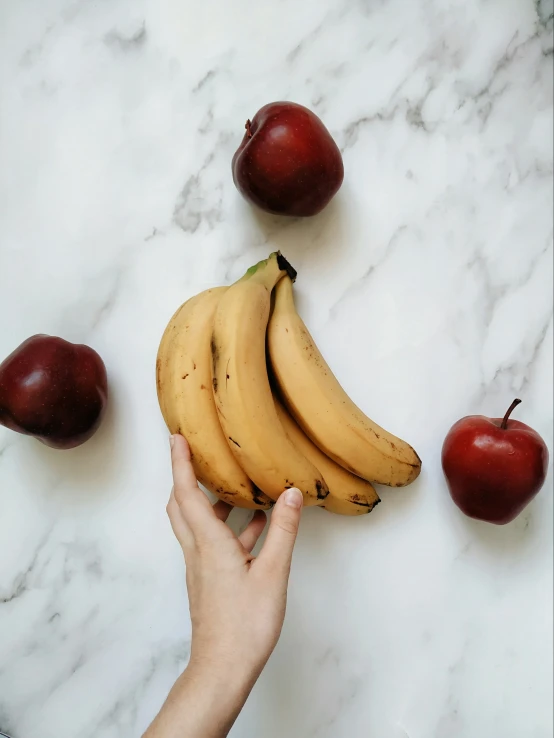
pixel 427 283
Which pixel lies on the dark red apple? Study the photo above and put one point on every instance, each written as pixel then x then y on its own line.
pixel 494 466
pixel 53 390
pixel 287 162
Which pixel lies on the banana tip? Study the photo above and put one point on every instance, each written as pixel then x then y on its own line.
pixel 286 266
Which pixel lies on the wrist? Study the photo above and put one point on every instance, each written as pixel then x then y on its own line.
pixel 216 673
pixel 218 687
pixel 221 660
pixel 204 702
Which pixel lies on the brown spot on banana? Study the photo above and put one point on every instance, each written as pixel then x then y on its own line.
pixel 369 505
pixel 322 493
pixel 258 496
pixel 222 491
pixel 215 360
pixel 214 350
pixel 227 372
pixel 158 370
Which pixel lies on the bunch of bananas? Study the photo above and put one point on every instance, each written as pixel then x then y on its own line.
pixel 241 378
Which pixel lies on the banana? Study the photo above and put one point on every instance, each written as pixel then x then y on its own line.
pixel 184 385
pixel 242 392
pixel 348 494
pixel 323 409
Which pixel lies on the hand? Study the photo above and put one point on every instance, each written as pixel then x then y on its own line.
pixel 237 602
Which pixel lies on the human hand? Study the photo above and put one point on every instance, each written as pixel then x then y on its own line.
pixel 237 602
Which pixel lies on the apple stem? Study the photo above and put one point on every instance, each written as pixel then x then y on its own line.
pixel 248 129
pixel 504 423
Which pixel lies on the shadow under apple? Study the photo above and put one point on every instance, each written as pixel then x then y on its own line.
pixel 520 534
pixel 322 237
pixel 80 474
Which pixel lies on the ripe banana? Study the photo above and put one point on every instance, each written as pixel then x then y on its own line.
pixel 242 392
pixel 184 384
pixel 323 409
pixel 348 494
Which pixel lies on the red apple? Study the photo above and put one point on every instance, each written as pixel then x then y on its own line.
pixel 494 466
pixel 287 162
pixel 53 390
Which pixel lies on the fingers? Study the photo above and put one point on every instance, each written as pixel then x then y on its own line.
pixel 276 554
pixel 222 510
pixel 249 536
pixel 180 528
pixel 193 503
pixel 183 473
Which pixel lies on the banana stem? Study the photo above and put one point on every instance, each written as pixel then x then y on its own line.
pixel 270 270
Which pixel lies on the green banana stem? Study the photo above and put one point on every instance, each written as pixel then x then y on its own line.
pixel 276 259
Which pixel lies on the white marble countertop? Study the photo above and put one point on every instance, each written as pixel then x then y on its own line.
pixel 427 283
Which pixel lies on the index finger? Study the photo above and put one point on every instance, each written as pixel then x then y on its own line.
pixel 193 503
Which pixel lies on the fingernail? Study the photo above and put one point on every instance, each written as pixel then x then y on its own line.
pixel 294 498
pixel 171 441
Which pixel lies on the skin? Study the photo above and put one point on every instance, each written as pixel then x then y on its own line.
pixel 237 603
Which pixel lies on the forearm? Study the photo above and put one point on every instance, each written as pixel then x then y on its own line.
pixel 204 703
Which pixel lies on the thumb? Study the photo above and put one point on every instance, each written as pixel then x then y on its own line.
pixel 276 554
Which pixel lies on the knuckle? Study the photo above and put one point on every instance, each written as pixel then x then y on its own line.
pixel 171 509
pixel 179 495
pixel 288 525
